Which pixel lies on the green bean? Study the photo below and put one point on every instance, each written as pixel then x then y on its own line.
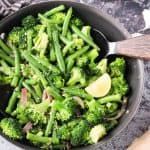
pixel 58 52
pixel 40 75
pixel 49 32
pixel 54 10
pixel 66 22
pixel 31 81
pixel 5 48
pixel 44 61
pixel 52 51
pixel 110 98
pixel 54 93
pixel 70 64
pixel 79 53
pixel 52 54
pixel 17 67
pixel 33 61
pixel 83 36
pixel 13 98
pixel 69 35
pixel 5 68
pixel 37 89
pixel 45 20
pixel 50 122
pixel 8 59
pixel 29 88
pixel 29 40
pixel 38 139
pixel 64 40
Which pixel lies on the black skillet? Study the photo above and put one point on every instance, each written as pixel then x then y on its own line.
pixel 113 32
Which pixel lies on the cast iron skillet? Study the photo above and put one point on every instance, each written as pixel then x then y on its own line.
pixel 112 31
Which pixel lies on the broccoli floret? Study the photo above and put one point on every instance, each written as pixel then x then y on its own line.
pixel 79 134
pixel 58 17
pixel 77 22
pixel 102 65
pixel 110 125
pixel 11 128
pixel 95 112
pixel 78 42
pixel 57 80
pixel 66 109
pixel 111 107
pixel 87 31
pixel 77 76
pixel 63 132
pixel 119 85
pixel 17 37
pixel 36 112
pixel 92 55
pixel 20 114
pixel 97 132
pixel 82 61
pixel 28 22
pixel 41 41
pixel 117 67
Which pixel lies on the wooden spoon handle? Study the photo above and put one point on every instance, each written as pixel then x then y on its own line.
pixel 138 47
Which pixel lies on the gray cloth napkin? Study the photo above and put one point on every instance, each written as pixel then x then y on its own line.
pixel 8 7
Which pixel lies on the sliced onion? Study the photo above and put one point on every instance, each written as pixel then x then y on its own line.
pixel 121 112
pixel 46 96
pixel 24 96
pixel 79 101
pixel 27 127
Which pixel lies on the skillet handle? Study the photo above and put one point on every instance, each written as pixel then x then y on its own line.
pixel 138 47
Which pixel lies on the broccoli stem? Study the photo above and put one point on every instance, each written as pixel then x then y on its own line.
pixel 8 59
pixel 54 10
pixel 66 22
pixel 29 40
pixel 40 75
pixel 83 36
pixel 17 68
pixel 52 91
pixel 5 48
pixel 58 52
pixel 37 138
pixel 50 122
pixel 111 98
pixel 13 98
pixel 28 87
pixel 75 91
pixel 66 48
pixel 37 89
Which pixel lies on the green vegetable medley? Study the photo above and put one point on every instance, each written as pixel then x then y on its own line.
pixel 63 95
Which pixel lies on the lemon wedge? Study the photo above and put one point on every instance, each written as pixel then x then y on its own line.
pixel 100 87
